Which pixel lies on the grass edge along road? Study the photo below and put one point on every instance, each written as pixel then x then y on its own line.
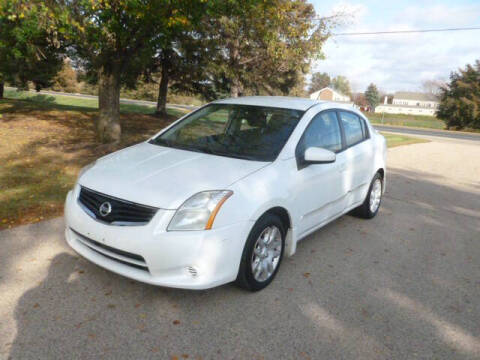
pixel 43 145
pixel 420 121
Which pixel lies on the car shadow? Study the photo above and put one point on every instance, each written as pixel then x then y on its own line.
pixel 402 285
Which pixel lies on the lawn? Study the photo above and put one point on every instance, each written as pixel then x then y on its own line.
pixel 44 143
pixel 421 121
pixel 65 102
pixel 397 140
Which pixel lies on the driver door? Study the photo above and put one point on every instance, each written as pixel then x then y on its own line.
pixel 319 193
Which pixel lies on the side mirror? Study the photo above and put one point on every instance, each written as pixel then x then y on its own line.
pixel 317 155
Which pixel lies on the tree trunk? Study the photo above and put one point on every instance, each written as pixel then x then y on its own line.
pixel 2 86
pixel 236 88
pixel 163 90
pixel 108 125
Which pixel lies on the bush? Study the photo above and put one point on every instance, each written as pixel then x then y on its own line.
pixel 460 101
pixel 66 79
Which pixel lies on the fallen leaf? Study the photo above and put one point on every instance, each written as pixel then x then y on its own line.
pixel 306 275
pixel 176 322
pixel 185 356
pixel 111 306
pixel 36 305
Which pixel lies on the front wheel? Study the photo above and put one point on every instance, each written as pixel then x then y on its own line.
pixel 372 202
pixel 262 254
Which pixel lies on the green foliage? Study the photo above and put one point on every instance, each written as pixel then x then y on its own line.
pixel 123 36
pixel 372 96
pixel 460 101
pixel 248 55
pixel 341 84
pixel 29 43
pixel 319 81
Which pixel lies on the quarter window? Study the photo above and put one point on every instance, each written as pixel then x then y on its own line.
pixel 352 126
pixel 323 131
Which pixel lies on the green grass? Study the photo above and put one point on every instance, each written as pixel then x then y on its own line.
pixel 421 121
pixel 44 143
pixel 64 102
pixel 394 140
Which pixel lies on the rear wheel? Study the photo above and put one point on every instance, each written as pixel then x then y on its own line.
pixel 372 202
pixel 262 254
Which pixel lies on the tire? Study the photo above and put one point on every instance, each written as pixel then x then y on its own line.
pixel 365 210
pixel 264 255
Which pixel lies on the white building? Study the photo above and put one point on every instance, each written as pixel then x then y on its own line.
pixel 412 103
pixel 329 94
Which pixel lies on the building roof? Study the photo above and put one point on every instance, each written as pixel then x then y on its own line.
pixel 286 102
pixel 409 95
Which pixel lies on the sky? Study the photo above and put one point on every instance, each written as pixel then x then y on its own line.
pixel 399 62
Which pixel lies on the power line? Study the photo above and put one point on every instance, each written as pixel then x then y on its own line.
pixel 406 31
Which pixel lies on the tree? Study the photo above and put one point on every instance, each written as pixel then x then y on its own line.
pixel 2 86
pixel 359 99
pixel 66 79
pixel 341 84
pixel 319 81
pixel 114 41
pixel 433 87
pixel 29 46
pixel 372 96
pixel 249 55
pixel 460 101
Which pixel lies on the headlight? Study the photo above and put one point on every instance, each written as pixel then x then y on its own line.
pixel 85 168
pixel 199 211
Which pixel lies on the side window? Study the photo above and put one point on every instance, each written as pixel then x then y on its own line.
pixel 352 125
pixel 323 131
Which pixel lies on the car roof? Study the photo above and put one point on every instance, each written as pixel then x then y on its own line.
pixel 287 102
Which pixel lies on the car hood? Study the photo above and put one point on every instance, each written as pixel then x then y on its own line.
pixel 163 177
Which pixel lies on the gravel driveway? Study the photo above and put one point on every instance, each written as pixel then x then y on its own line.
pixel 404 285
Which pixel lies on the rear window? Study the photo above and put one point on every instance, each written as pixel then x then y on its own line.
pixel 353 128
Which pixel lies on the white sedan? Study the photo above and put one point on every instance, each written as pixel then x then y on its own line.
pixel 224 193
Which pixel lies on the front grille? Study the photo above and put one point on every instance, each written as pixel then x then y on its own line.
pixel 123 257
pixel 122 212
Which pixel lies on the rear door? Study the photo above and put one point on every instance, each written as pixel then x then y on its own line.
pixel 358 157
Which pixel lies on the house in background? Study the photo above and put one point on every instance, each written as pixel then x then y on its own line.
pixel 329 94
pixel 412 103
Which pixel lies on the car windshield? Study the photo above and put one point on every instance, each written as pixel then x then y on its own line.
pixel 239 131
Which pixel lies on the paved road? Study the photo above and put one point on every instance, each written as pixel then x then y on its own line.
pixel 395 129
pixel 123 101
pixel 405 285
pixel 426 132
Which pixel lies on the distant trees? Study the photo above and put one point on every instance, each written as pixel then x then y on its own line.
pixel 66 79
pixel 29 44
pixel 460 100
pixel 433 87
pixel 319 81
pixel 372 96
pixel 341 84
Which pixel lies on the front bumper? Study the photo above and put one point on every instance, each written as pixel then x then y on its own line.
pixel 150 254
